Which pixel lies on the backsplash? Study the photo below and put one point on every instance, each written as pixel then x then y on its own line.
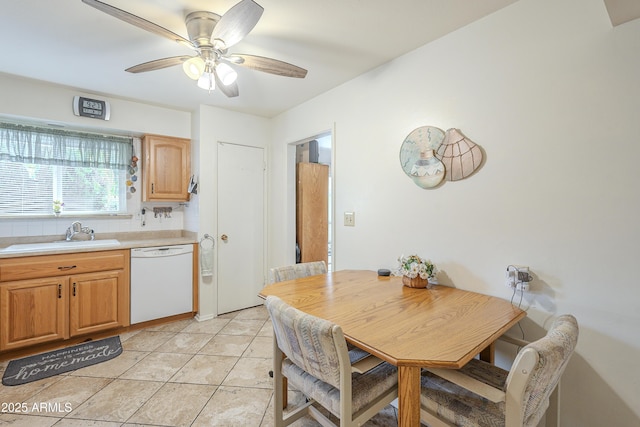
pixel 15 227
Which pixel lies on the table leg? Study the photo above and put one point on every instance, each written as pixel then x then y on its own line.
pixel 285 392
pixel 488 354
pixel 408 396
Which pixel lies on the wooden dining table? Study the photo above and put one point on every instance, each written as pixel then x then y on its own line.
pixel 411 328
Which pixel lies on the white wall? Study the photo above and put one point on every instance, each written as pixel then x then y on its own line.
pixel 54 105
pixel 550 91
pixel 217 125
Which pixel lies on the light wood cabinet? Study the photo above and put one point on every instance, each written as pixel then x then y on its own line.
pixel 166 168
pixel 94 302
pixel 54 297
pixel 312 224
pixel 33 312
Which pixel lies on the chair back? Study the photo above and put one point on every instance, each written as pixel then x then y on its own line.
pixel 315 345
pixel 296 271
pixel 548 357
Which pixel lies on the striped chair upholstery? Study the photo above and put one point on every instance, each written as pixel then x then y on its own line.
pixel 518 397
pixel 317 363
pixel 296 271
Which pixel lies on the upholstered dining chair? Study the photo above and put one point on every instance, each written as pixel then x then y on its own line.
pixel 296 271
pixel 313 268
pixel 361 360
pixel 317 363
pixel 481 394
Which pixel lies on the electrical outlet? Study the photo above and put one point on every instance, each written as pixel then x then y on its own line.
pixel 518 277
pixel 350 219
pixel 523 286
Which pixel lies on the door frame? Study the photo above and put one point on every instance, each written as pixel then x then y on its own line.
pixel 291 198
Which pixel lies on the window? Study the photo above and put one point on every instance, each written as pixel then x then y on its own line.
pixel 87 172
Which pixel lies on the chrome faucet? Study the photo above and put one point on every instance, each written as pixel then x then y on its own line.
pixel 75 228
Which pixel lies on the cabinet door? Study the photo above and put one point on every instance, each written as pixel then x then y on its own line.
pixel 167 167
pixel 33 312
pixel 94 302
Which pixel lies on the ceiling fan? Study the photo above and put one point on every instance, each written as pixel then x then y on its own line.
pixel 210 36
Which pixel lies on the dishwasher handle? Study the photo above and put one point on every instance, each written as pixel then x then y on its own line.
pixel 161 251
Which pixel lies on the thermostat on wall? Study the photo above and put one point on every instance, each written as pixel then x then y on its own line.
pixel 94 108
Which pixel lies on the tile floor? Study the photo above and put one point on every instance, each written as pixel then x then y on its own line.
pixel 185 373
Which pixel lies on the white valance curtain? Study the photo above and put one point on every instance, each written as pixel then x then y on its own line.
pixel 39 145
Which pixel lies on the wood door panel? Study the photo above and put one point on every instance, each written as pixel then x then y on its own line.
pixel 33 312
pixel 170 180
pixel 167 167
pixel 312 212
pixel 94 302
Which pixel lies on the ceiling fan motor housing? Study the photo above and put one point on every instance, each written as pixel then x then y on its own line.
pixel 200 26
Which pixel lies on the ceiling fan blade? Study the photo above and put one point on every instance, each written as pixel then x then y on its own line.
pixel 139 22
pixel 230 90
pixel 158 64
pixel 267 65
pixel 237 23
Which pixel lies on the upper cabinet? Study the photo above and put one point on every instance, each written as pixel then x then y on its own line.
pixel 167 168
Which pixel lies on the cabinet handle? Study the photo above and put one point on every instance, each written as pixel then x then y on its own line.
pixel 59 290
pixel 152 188
pixel 66 267
pixel 74 289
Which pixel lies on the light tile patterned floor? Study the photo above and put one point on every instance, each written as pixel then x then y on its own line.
pixel 185 373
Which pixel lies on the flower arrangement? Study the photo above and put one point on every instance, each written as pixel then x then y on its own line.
pixel 57 206
pixel 413 266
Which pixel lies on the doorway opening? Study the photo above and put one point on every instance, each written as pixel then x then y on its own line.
pixel 314 200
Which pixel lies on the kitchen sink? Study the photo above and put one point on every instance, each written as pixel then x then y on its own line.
pixel 61 244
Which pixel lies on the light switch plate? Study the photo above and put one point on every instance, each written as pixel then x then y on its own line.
pixel 350 219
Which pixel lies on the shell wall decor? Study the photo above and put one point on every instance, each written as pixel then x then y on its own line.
pixel 429 155
pixel 460 155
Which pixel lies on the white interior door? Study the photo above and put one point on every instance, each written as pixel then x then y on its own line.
pixel 240 226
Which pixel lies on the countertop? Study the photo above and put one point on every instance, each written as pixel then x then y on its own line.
pixel 127 241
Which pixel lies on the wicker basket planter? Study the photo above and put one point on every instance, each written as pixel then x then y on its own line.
pixel 416 282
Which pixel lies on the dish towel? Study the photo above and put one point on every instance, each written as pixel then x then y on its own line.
pixel 206 261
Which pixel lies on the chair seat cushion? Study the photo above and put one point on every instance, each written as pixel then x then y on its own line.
pixel 460 406
pixel 365 387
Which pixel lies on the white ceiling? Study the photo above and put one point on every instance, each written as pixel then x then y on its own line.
pixel 69 43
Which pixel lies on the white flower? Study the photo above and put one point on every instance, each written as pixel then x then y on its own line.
pixel 414 266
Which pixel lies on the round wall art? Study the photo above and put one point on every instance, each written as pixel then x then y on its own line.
pixel 417 156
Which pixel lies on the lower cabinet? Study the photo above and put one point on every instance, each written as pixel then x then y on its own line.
pixel 93 305
pixel 33 312
pixel 56 297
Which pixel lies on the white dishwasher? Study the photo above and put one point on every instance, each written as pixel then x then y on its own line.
pixel 161 282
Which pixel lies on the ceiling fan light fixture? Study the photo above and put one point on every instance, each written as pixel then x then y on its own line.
pixel 207 81
pixel 210 37
pixel 194 67
pixel 226 74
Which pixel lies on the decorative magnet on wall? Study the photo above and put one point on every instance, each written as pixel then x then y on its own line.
pixel 133 168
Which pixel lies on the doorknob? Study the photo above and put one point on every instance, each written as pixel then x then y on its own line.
pixel 224 237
